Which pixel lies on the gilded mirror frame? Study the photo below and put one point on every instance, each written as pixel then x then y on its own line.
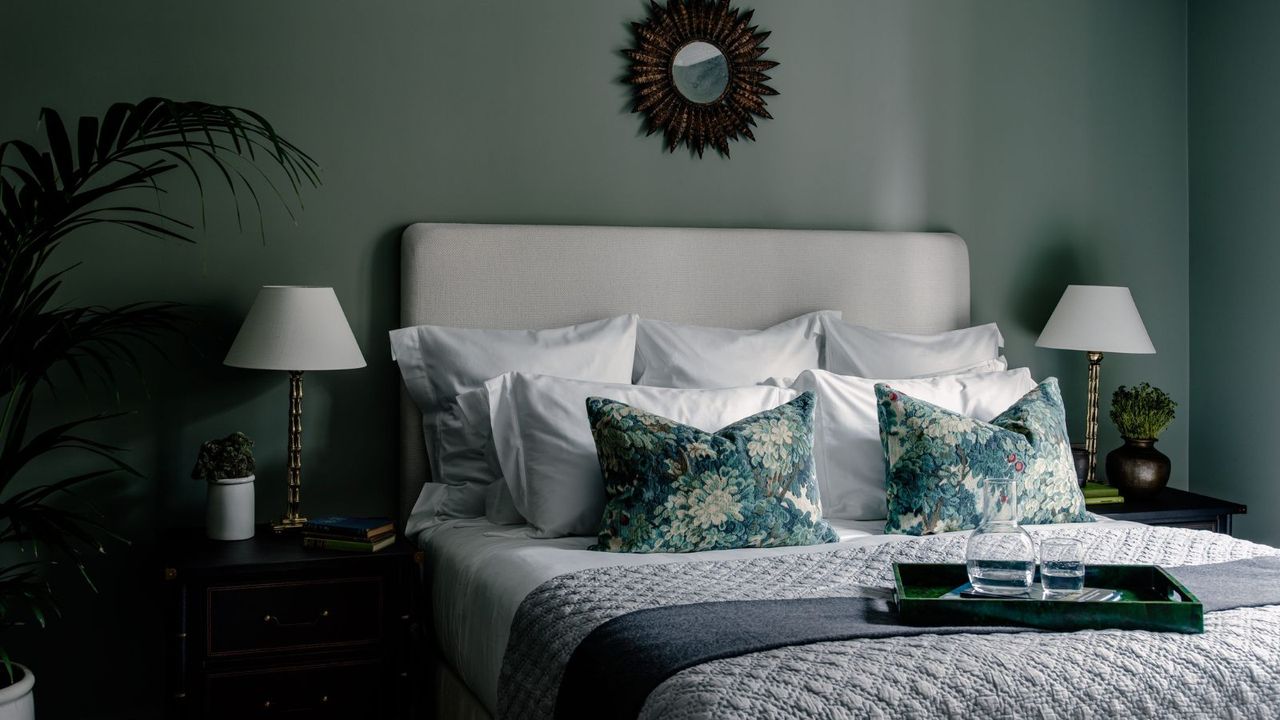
pixel 699 126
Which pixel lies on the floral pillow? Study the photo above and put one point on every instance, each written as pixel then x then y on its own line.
pixel 674 488
pixel 936 462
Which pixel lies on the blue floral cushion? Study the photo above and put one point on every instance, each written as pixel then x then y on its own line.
pixel 675 488
pixel 936 462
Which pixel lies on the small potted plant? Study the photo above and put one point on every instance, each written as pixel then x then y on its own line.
pixel 1140 413
pixel 227 466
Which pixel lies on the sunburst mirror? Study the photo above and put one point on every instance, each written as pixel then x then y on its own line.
pixel 698 75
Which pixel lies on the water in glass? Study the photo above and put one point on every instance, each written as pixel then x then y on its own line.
pixel 1000 555
pixel 1062 566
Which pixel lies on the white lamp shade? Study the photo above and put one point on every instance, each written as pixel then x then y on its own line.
pixel 1096 318
pixel 295 328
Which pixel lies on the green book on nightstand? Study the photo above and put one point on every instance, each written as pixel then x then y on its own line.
pixel 1099 494
pixel 1105 500
pixel 1098 490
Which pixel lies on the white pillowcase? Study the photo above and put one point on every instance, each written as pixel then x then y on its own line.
pixel 548 457
pixel 847 450
pixel 856 350
pixel 499 508
pixel 692 356
pixel 996 365
pixel 444 370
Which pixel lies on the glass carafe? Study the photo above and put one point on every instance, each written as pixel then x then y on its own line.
pixel 1001 556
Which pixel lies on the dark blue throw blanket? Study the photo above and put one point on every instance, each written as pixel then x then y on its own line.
pixel 613 669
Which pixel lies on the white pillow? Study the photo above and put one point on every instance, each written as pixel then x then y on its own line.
pixel 855 350
pixel 548 457
pixel 996 365
pixel 499 508
pixel 847 451
pixel 444 367
pixel 692 356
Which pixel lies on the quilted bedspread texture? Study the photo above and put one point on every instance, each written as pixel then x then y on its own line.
pixel 1230 671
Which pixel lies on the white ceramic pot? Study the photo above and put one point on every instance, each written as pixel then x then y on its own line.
pixel 18 701
pixel 230 509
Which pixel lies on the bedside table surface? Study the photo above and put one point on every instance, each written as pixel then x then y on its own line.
pixel 1176 508
pixel 1171 500
pixel 190 550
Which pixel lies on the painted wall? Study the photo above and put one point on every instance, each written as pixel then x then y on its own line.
pixel 1235 217
pixel 1051 135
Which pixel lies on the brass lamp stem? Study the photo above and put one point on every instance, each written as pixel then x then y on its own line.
pixel 292 517
pixel 1091 417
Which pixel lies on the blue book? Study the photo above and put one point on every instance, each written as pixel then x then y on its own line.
pixel 356 527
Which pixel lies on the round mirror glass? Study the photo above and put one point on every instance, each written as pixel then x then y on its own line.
pixel 700 72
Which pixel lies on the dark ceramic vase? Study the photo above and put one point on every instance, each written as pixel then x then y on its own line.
pixel 1138 469
pixel 1080 456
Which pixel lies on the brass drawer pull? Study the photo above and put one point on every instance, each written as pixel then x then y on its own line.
pixel 273 620
pixel 266 705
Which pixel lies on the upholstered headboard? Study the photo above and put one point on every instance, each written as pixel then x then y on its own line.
pixel 541 276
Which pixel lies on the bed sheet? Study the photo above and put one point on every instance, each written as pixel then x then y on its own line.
pixel 480 572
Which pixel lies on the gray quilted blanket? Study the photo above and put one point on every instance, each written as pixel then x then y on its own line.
pixel 1231 671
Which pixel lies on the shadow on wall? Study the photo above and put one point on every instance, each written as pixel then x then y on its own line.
pixel 198 389
pixel 1034 299
pixel 1031 301
pixel 358 478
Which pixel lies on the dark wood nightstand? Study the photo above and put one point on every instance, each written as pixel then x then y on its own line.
pixel 1176 508
pixel 262 628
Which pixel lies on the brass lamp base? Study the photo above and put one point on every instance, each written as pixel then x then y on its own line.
pixel 293 519
pixel 288 525
pixel 1091 417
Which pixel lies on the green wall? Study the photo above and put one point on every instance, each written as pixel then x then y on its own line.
pixel 1235 217
pixel 1050 134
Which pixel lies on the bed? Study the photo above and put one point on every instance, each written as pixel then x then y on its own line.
pixel 508 610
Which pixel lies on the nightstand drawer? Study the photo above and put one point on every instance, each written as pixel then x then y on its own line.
pixel 1210 525
pixel 282 616
pixel 348 690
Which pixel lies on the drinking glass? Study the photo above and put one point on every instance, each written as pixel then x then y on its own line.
pixel 1061 566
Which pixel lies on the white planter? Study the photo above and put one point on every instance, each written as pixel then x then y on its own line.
pixel 229 510
pixel 18 701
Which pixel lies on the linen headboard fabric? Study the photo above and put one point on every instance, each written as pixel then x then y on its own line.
pixel 543 276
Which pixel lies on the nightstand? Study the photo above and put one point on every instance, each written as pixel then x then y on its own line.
pixel 1176 508
pixel 263 627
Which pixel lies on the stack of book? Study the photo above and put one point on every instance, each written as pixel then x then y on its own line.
pixel 1099 494
pixel 337 532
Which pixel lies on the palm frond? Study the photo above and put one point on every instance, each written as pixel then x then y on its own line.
pixel 81 181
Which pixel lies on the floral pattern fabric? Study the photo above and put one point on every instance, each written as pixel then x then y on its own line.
pixel 936 462
pixel 674 488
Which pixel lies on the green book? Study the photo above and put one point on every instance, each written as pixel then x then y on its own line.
pixel 1110 500
pixel 1097 490
pixel 347 538
pixel 321 543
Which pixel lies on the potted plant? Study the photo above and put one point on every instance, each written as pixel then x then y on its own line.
pixel 108 173
pixel 227 466
pixel 1140 413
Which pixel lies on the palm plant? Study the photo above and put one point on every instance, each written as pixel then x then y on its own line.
pixel 109 175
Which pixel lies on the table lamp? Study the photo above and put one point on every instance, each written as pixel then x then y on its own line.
pixel 1096 319
pixel 295 329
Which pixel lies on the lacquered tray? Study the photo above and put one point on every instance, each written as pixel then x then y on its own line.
pixel 1150 600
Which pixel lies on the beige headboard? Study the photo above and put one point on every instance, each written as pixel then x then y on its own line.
pixel 541 276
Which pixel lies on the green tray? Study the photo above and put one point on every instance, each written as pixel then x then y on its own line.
pixel 1150 600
